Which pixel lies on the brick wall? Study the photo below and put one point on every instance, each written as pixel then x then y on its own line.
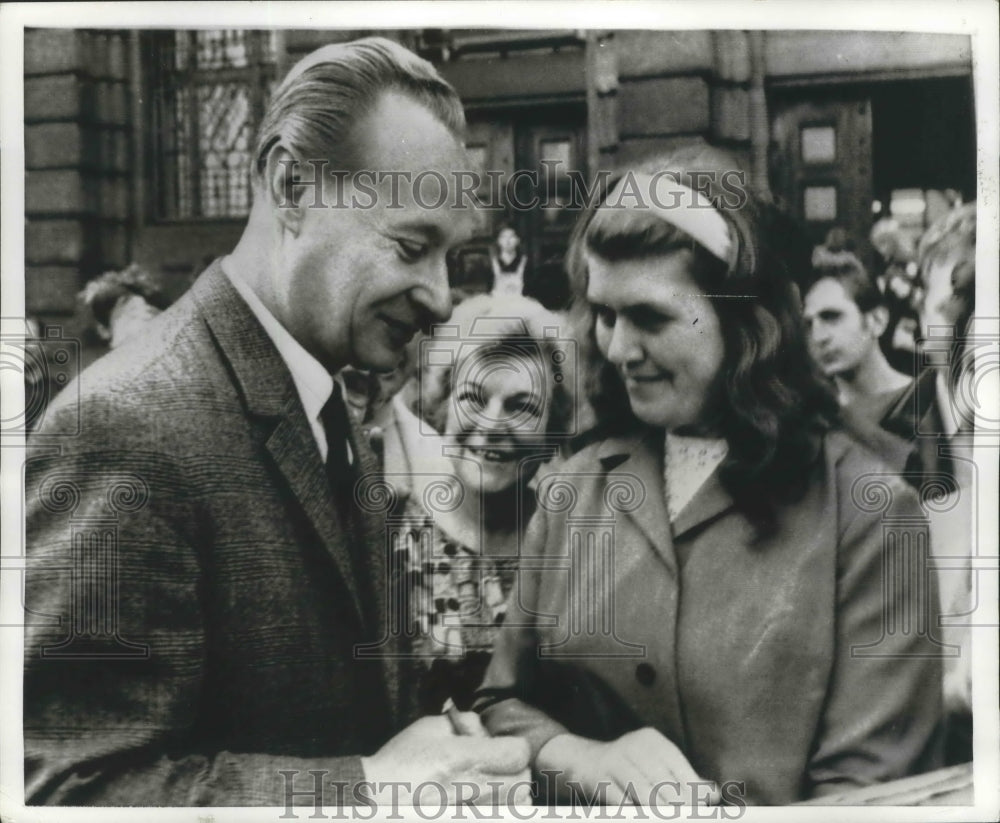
pixel 77 159
pixel 674 88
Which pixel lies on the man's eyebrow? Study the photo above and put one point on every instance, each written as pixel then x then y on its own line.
pixel 431 231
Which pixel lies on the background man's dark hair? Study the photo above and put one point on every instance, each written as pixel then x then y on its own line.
pixel 857 283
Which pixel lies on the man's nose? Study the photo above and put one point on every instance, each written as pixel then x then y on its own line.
pixel 818 333
pixel 434 294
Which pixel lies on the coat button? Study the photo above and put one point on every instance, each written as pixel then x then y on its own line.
pixel 645 674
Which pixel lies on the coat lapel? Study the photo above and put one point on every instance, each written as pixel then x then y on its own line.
pixel 708 502
pixel 275 410
pixel 638 457
pixel 642 457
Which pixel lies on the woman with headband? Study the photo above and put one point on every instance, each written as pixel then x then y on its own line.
pixel 701 594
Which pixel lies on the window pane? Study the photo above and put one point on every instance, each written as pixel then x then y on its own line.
pixel 556 152
pixel 209 94
pixel 223 115
pixel 820 203
pixel 818 144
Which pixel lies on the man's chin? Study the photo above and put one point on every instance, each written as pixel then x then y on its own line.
pixel 378 358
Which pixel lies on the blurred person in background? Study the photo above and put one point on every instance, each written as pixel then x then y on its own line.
pixel 836 249
pixel 931 414
pixel 508 261
pixel 123 302
pixel 845 315
pixel 895 278
pixel 941 411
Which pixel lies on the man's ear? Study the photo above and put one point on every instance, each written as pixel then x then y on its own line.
pixel 877 320
pixel 282 187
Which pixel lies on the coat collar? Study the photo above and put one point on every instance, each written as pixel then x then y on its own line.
pixel 642 456
pixel 272 401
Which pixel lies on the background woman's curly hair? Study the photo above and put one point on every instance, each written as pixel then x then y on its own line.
pixel 102 293
pixel 770 402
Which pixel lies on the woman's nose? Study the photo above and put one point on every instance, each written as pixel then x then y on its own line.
pixel 494 416
pixel 624 346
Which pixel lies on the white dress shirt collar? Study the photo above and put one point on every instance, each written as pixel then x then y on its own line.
pixel 313 382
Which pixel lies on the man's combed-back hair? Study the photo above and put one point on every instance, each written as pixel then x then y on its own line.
pixel 770 402
pixel 313 111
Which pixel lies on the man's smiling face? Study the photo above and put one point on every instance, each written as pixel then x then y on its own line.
pixel 358 282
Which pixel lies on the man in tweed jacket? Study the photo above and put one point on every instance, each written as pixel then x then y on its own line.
pixel 197 599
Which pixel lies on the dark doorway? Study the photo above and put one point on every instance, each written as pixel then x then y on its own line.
pixel 543 143
pixel 924 136
pixel 843 155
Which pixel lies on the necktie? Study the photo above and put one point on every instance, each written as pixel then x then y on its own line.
pixel 339 471
pixel 342 475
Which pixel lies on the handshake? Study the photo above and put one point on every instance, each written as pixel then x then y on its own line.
pixel 454 754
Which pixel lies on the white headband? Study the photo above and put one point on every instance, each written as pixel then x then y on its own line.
pixel 676 204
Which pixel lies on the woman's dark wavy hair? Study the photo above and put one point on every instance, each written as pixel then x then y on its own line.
pixel 770 403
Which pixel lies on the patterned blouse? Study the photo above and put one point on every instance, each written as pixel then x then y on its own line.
pixel 457 601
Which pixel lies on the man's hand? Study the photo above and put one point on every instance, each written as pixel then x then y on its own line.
pixel 429 751
pixel 641 766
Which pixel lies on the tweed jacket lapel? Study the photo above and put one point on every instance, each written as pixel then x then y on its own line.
pixel 373 524
pixel 275 411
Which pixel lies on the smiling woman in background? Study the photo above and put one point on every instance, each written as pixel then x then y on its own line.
pixel 493 401
pixel 730 626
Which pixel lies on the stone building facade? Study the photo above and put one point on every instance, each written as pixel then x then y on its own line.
pixel 816 117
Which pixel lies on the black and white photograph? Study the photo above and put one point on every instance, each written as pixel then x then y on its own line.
pixel 500 410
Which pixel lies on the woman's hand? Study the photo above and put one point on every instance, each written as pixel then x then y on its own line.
pixel 639 767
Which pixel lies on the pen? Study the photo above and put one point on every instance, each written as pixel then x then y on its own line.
pixel 460 724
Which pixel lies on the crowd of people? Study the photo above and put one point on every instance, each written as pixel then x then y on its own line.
pixel 623 545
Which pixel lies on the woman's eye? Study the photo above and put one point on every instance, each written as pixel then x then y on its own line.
pixel 525 407
pixel 648 319
pixel 410 250
pixel 604 315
